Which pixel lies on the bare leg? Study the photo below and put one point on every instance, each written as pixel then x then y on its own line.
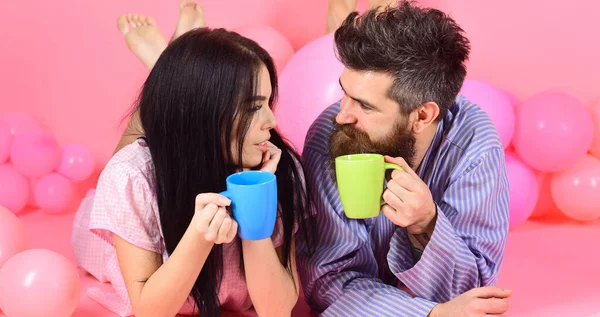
pixel 191 16
pixel 147 43
pixel 132 132
pixel 144 39
pixel 337 12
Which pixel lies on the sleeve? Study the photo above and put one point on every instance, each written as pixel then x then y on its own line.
pixel 467 245
pixel 341 277
pixel 124 205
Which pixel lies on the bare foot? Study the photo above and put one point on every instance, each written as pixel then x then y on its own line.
pixel 142 37
pixel 191 16
pixel 337 12
pixel 381 4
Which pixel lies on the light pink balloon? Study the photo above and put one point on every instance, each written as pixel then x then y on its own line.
pixel 514 101
pixel 32 183
pixel 496 103
pixel 77 162
pixel 545 204
pixel 5 140
pixel 576 190
pixel 309 84
pixel 54 193
pixel 554 130
pixel 35 153
pixel 272 41
pixel 595 148
pixel 39 282
pixel 19 122
pixel 13 238
pixel 523 190
pixel 14 188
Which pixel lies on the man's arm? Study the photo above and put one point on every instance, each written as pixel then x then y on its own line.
pixel 467 245
pixel 341 277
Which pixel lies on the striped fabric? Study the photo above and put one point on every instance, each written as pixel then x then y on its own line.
pixel 366 267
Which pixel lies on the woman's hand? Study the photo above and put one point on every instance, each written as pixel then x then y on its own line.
pixel 271 158
pixel 212 220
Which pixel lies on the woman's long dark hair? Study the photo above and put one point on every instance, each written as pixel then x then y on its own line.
pixel 196 92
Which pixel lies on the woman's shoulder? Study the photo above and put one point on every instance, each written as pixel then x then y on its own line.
pixel 131 164
pixel 124 202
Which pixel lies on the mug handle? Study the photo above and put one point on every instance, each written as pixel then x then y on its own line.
pixel 227 194
pixel 389 166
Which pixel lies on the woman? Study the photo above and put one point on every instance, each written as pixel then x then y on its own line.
pixel 155 227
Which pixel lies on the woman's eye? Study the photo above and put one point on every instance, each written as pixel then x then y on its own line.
pixel 256 107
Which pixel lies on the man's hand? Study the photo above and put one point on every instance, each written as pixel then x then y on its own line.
pixel 478 302
pixel 409 201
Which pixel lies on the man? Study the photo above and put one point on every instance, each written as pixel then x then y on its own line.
pixel 442 233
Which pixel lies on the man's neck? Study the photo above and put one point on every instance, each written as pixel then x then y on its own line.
pixel 423 143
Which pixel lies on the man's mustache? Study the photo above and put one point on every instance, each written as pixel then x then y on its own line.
pixel 352 133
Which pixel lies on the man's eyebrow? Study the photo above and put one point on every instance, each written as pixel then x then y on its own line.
pixel 368 104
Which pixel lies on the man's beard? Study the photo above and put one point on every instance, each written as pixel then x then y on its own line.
pixel 346 139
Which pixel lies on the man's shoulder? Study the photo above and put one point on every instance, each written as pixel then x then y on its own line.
pixel 318 133
pixel 471 127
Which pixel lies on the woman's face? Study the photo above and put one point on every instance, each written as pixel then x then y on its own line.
pixel 262 121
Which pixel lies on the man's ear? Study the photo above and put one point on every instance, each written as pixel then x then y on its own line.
pixel 424 116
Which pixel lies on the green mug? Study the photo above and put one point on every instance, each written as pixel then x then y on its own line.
pixel 360 181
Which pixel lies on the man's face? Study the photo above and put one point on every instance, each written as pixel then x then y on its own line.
pixel 369 121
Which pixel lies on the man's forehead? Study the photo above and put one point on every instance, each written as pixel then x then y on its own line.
pixel 366 84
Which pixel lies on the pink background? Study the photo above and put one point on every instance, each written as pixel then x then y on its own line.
pixel 66 64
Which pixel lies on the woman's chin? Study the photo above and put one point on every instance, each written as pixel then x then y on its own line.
pixel 254 165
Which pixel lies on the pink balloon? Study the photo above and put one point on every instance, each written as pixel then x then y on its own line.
pixel 77 162
pixel 19 122
pixel 13 238
pixel 595 148
pixel 554 130
pixel 545 204
pixel 272 41
pixel 5 140
pixel 39 282
pixel 309 84
pixel 54 193
pixel 32 183
pixel 576 190
pixel 35 153
pixel 496 103
pixel 523 190
pixel 514 101
pixel 14 189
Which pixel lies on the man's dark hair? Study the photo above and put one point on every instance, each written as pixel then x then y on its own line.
pixel 423 49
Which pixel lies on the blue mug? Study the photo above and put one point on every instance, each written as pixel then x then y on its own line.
pixel 253 196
